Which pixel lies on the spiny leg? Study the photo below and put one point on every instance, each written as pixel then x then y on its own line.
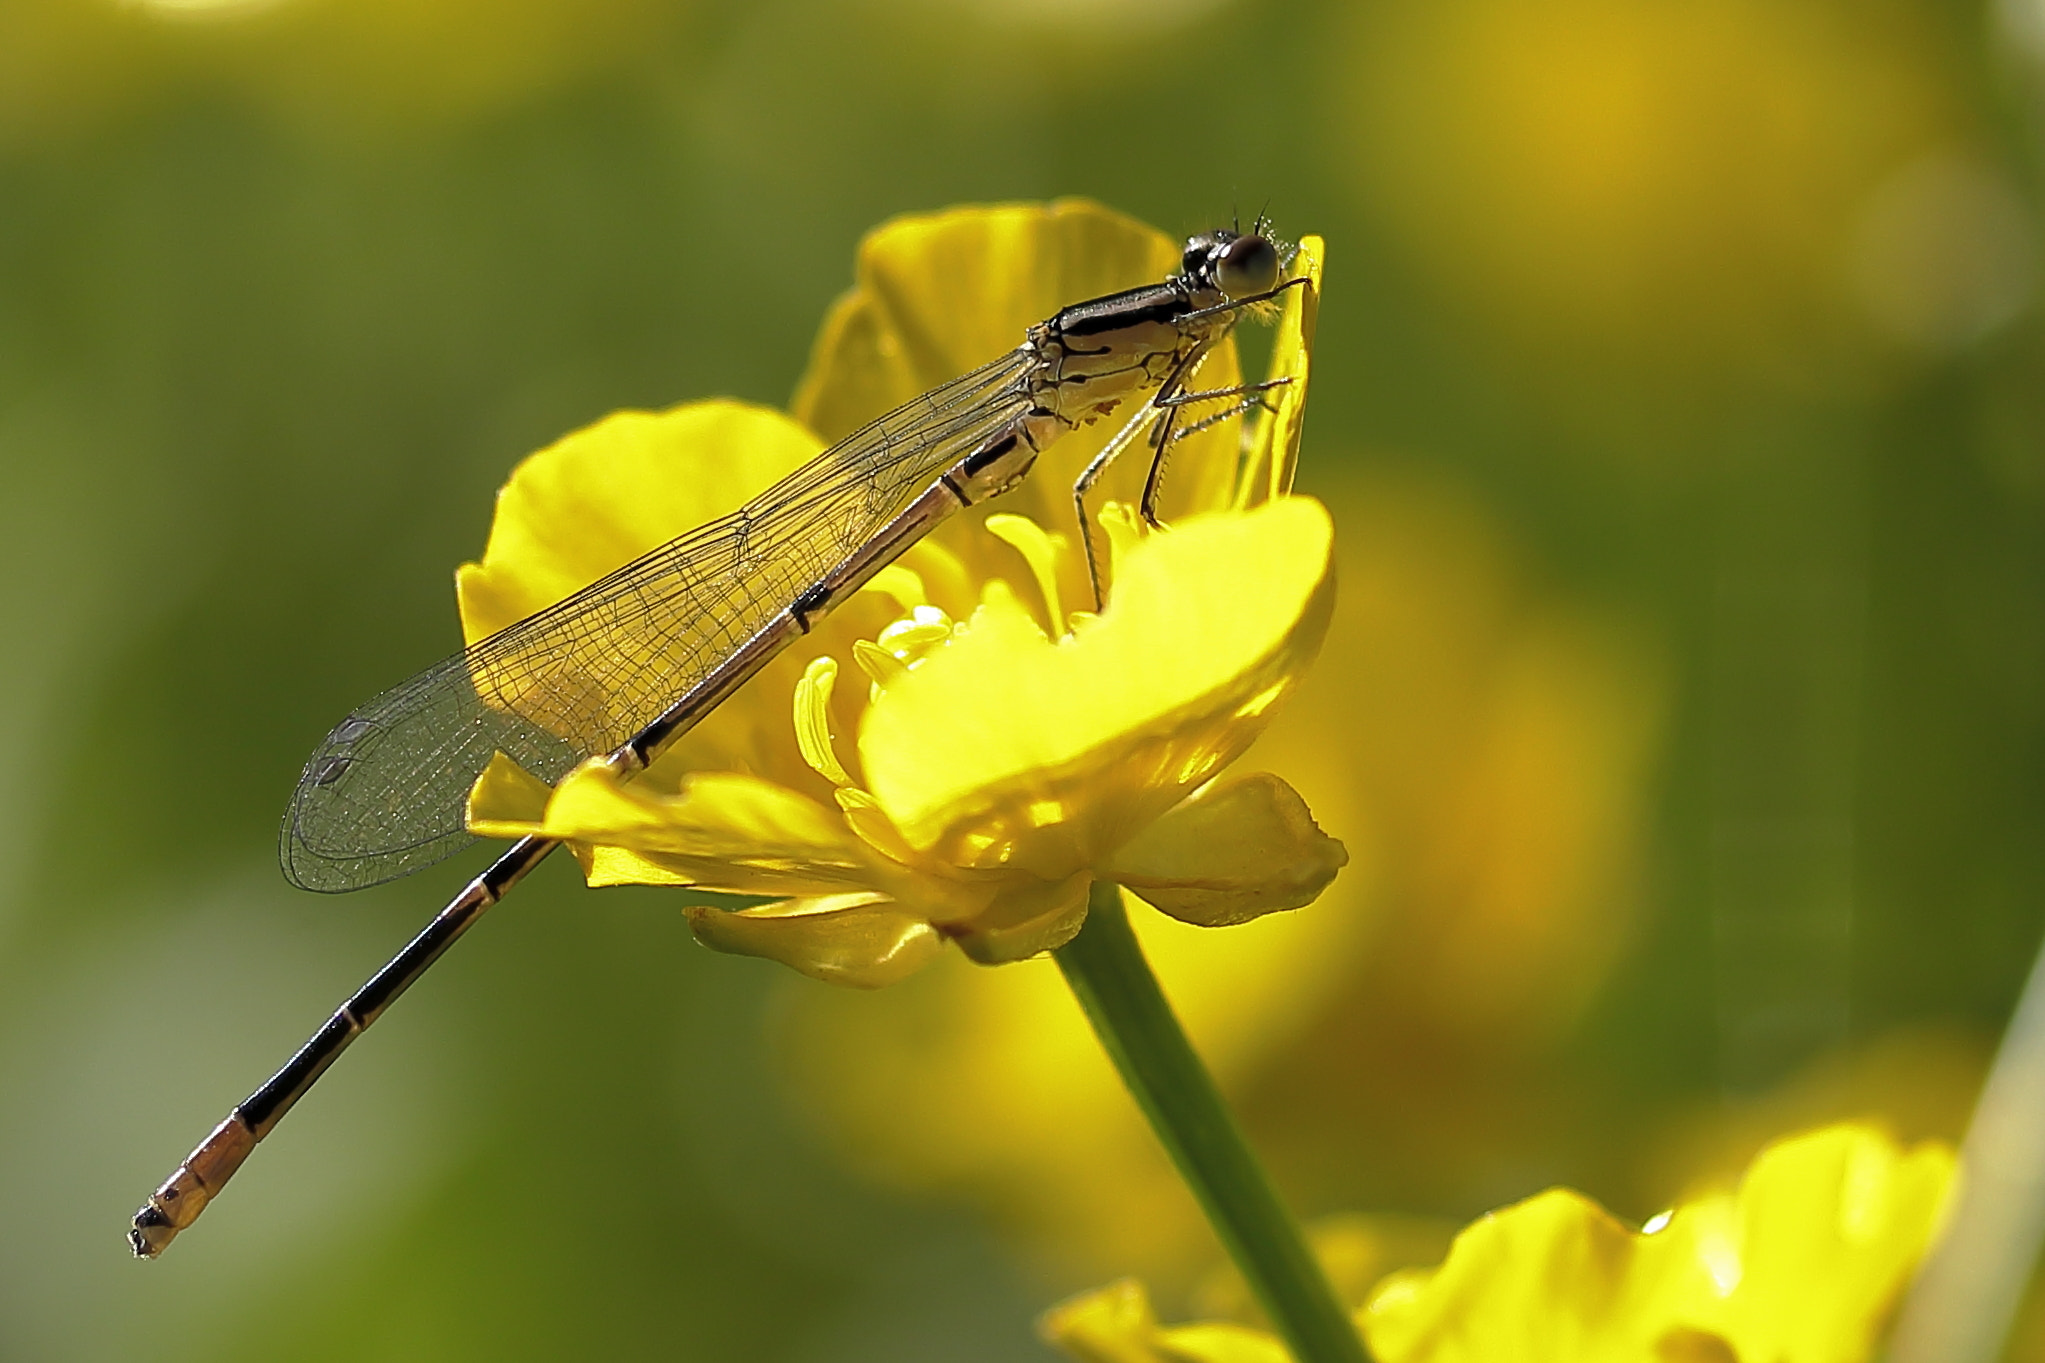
pixel 1153 485
pixel 1215 394
pixel 1247 405
pixel 1255 401
pixel 1091 475
pixel 1160 404
pixel 1163 437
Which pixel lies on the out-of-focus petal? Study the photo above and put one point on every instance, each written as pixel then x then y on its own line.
pixel 1799 1266
pixel 1247 847
pixel 1112 1324
pixel 1116 1324
pixel 1846 1198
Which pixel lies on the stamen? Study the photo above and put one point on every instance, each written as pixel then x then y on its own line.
pixel 887 658
pixel 914 635
pixel 813 720
pixel 881 667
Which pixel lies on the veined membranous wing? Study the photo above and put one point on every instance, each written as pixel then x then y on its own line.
pixel 385 792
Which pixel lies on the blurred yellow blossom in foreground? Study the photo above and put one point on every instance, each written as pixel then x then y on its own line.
pixel 1800 1264
pixel 1008 753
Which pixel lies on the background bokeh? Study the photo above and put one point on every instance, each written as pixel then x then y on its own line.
pixel 1679 400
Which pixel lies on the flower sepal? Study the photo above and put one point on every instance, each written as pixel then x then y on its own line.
pixel 1243 847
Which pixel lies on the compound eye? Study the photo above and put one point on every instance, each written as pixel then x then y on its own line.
pixel 1248 265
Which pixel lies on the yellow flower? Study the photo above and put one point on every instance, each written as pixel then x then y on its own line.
pixel 1678 178
pixel 1798 1265
pixel 1482 743
pixel 1003 752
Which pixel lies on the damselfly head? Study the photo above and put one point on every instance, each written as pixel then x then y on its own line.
pixel 1237 264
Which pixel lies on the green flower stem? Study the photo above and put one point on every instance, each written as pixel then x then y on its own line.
pixel 1107 972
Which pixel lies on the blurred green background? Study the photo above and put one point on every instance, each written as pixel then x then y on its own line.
pixel 1679 399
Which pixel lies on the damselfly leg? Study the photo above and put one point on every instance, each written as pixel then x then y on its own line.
pixel 1160 415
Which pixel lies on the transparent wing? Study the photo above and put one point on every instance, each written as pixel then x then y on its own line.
pixel 384 794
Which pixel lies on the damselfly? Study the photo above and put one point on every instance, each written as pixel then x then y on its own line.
pixel 668 637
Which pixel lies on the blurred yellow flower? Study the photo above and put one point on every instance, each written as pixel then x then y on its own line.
pixel 1668 188
pixel 385 66
pixel 1923 1079
pixel 1798 1265
pixel 1008 753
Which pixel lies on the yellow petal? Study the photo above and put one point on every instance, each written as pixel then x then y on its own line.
pixel 507 801
pixel 600 497
pixel 1116 1324
pixel 860 940
pixel 1004 747
pixel 1800 1266
pixel 938 294
pixel 1219 1341
pixel 1112 1324
pixel 1125 530
pixel 603 867
pixel 1025 917
pixel 1272 449
pixel 603 496
pixel 1847 1199
pixel 1247 847
pixel 813 720
pixel 721 831
pixel 947 580
pixel 1041 552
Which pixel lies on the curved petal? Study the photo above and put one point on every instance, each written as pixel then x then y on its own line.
pixel 1847 1199
pixel 1800 1265
pixel 937 294
pixel 1026 917
pixel 1246 847
pixel 507 801
pixel 1112 1324
pixel 1271 453
pixel 940 293
pixel 1116 1324
pixel 1006 748
pixel 600 497
pixel 721 831
pixel 859 940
